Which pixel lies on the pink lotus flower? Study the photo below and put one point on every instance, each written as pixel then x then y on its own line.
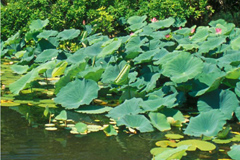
pixel 167 36
pixel 131 34
pixel 193 30
pixel 84 22
pixel 180 28
pixel 218 30
pixel 154 20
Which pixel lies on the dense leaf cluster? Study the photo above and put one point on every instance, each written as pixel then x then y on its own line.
pixel 153 71
pixel 107 16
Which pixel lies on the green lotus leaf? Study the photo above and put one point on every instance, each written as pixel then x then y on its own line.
pixel 136 19
pixel 174 136
pixel 110 131
pixel 152 83
pixel 163 56
pixel 224 100
pixel 206 123
pixel 60 68
pixel 46 66
pixel 122 77
pixel 174 113
pixel 47 33
pixel 38 24
pixel 235 43
pixel 200 35
pixel 133 47
pixel 211 44
pixel 237 89
pixel 20 84
pixel 155 104
pixel 233 58
pixel 136 22
pixel 234 153
pixel 47 55
pixel 76 93
pixel 68 34
pixel 188 47
pixel 237 113
pixel 111 72
pixel 194 144
pixel 224 133
pixel 93 109
pixel 176 153
pixel 166 23
pixel 157 150
pixel 139 122
pixel 71 72
pixel 81 127
pixel 206 82
pixel 145 57
pixel 94 49
pixel 233 74
pixel 219 21
pixel 159 121
pixel 19 69
pixel 93 73
pixel 62 116
pixel 182 68
pixel 20 54
pixel 131 106
pixel 179 22
pixel 110 48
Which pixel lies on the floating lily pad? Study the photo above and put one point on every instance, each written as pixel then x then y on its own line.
pixel 194 144
pixel 166 143
pixel 94 128
pixel 174 136
pixel 157 150
pixel 51 128
pixel 93 109
pixel 222 141
pixel 8 103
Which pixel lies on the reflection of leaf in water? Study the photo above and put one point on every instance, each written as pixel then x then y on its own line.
pixel 62 141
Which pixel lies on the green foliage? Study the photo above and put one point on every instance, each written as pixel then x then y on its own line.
pixel 106 16
pixel 148 70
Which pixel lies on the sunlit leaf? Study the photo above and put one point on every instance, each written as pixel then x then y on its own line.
pixel 194 144
pixel 110 48
pixel 176 153
pixel 47 55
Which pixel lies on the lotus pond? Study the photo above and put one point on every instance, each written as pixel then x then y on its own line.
pixel 163 91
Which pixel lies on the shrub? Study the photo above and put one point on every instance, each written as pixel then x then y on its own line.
pixel 105 15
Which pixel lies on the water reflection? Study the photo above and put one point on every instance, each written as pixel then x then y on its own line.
pixel 20 141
